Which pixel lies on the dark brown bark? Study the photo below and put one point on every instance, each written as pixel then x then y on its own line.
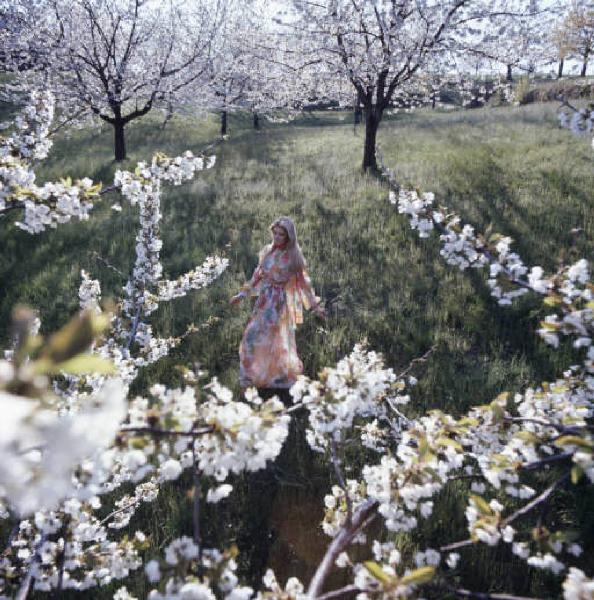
pixel 361 519
pixel 509 76
pixel 584 66
pixel 256 121
pixel 560 70
pixel 119 140
pixel 372 121
pixel 224 123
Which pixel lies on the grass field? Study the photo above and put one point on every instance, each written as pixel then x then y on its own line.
pixel 509 167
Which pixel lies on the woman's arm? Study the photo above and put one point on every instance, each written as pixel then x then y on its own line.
pixel 308 296
pixel 255 279
pixel 249 286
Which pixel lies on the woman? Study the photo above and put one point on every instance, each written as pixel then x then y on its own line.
pixel 268 352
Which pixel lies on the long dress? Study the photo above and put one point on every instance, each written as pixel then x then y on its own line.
pixel 268 353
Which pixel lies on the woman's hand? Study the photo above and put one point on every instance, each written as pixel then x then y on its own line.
pixel 320 311
pixel 237 298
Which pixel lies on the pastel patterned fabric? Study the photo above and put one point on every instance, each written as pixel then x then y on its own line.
pixel 268 353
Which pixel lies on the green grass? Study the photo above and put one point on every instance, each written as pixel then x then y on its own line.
pixel 509 167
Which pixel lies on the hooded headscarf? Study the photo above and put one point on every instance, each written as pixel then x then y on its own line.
pixel 296 260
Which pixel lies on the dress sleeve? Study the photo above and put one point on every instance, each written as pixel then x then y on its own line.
pixel 300 295
pixel 251 286
pixel 306 291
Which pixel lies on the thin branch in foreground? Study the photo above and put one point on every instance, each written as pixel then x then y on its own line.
pixel 520 512
pixel 363 516
pixel 347 589
pixel 173 432
pixel 336 462
pixel 462 593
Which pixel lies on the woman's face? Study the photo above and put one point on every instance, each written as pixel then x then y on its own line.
pixel 279 235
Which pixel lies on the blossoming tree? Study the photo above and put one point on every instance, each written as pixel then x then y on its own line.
pixel 110 60
pixel 379 47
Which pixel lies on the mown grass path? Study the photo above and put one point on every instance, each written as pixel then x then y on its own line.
pixel 509 167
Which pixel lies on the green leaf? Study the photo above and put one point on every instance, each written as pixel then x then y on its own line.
pixel 418 576
pixel 376 571
pixel 526 436
pixel 423 446
pixel 497 410
pixel 576 474
pixel 75 337
pixel 444 441
pixel 552 301
pixel 86 363
pixel 138 443
pixel 573 440
pixel 482 505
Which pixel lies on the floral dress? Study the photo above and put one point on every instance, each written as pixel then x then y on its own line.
pixel 268 352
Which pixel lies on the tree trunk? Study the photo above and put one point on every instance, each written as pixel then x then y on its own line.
pixel 584 66
pixel 560 70
pixel 224 123
pixel 372 121
pixel 509 73
pixel 256 121
pixel 119 141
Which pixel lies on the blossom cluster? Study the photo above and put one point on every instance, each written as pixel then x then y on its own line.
pixel 359 386
pixel 476 94
pixel 145 289
pixel 89 293
pixel 245 434
pixel 54 202
pixel 41 447
pixel 184 558
pixel 148 444
pixel 579 121
pixel 87 557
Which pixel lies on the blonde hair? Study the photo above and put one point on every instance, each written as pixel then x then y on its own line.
pixel 296 259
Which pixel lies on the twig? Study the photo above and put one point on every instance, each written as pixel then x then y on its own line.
pixel 96 256
pixel 414 361
pixel 522 511
pixel 483 596
pixel 295 407
pixel 538 500
pixel 338 471
pixel 118 510
pixel 61 558
pixel 560 428
pixel 347 589
pixel 363 516
pixel 158 432
pixel 545 461
pixel 196 502
pixel 25 588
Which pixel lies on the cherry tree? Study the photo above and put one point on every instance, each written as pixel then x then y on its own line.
pixel 560 40
pixel 515 37
pixel 379 47
pixel 113 60
pixel 579 24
